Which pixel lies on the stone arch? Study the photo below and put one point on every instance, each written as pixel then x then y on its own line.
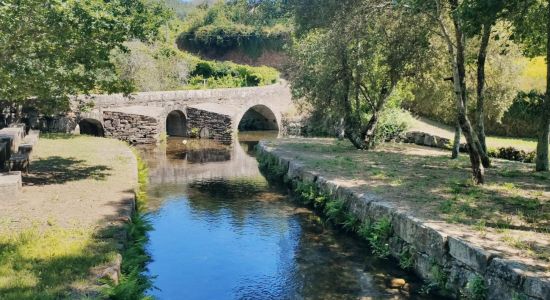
pixel 176 124
pixel 91 127
pixel 258 117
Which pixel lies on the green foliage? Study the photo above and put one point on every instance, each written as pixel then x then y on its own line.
pixel 511 153
pixel 335 211
pixel 406 257
pixel 252 26
pixel 64 47
pixel 433 96
pixel 378 234
pixel 520 119
pixel 393 123
pixel 350 67
pixel 269 164
pixel 438 280
pixel 476 288
pixel 134 282
pixel 211 74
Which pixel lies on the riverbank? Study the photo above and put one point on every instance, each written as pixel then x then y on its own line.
pixel 64 232
pixel 488 241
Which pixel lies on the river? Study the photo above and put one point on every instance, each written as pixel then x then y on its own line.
pixel 222 231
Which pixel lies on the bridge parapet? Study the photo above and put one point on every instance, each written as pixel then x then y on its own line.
pixel 143 117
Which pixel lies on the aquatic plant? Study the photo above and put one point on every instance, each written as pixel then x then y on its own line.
pixel 406 257
pixel 476 288
pixel 134 283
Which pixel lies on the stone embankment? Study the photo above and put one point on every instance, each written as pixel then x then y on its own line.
pixel 439 257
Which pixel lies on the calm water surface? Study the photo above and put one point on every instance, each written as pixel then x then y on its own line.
pixel 221 231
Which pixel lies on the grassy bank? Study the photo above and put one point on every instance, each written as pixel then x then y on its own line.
pixel 510 213
pixel 134 283
pixel 65 232
pixel 445 131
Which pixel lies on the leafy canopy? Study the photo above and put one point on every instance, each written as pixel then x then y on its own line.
pixel 50 49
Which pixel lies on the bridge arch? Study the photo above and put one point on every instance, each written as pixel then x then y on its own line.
pixel 89 126
pixel 176 124
pixel 258 117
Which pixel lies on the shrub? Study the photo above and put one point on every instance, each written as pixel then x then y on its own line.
pixel 511 153
pixel 212 74
pixel 393 123
pixel 475 288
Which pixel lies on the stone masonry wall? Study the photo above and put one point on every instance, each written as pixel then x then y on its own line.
pixel 209 125
pixel 134 129
pixel 435 252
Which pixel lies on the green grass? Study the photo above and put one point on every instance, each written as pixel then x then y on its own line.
pixel 134 283
pixel 62 258
pixel 425 181
pixel 438 129
pixel 50 264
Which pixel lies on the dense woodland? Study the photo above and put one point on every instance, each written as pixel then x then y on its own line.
pixel 357 68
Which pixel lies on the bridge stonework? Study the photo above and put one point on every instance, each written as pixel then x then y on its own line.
pixel 141 118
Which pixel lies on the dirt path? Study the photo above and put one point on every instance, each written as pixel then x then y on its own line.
pixel 83 181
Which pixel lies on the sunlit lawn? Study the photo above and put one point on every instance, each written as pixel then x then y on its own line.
pixel 53 263
pixel 429 183
pixel 442 130
pixel 53 254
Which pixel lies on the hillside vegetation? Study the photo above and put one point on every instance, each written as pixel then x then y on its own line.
pixel 249 28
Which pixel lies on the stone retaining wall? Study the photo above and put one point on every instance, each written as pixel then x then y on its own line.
pixel 134 129
pixel 210 125
pixel 435 252
pixel 426 139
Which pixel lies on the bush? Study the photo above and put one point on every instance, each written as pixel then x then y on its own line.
pixel 224 26
pixel 520 119
pixel 511 153
pixel 212 74
pixel 393 123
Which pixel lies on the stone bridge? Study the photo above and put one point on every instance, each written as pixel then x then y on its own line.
pixel 143 118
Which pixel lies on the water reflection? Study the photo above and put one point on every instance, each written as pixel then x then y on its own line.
pixel 221 231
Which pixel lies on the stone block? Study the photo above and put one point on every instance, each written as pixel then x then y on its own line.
pixel 14 134
pixel 10 185
pixel 423 238
pixel 430 140
pixel 537 287
pixel 468 254
pixel 419 138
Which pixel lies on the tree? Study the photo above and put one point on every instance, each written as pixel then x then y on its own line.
pixel 50 49
pixel 442 13
pixel 350 62
pixel 532 30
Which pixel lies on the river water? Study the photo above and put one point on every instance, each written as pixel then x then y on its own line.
pixel 221 231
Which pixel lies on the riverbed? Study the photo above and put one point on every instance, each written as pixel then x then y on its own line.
pixel 222 231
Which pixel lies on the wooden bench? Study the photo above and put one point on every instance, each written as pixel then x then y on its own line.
pixel 19 162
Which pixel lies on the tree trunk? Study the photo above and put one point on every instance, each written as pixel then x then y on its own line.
pixel 480 123
pixel 544 131
pixel 370 132
pixel 456 141
pixel 459 83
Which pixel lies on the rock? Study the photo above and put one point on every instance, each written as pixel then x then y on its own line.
pixel 468 254
pixel 430 140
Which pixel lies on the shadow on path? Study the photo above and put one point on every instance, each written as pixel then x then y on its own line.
pixel 58 170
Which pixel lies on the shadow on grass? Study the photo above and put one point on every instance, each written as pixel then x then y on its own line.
pixel 58 170
pixel 57 136
pixel 59 263
pixel 425 181
pixel 54 263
